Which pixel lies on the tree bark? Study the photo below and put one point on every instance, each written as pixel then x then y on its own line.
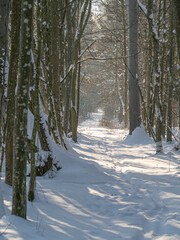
pixel 70 21
pixel 12 81
pixel 171 77
pixel 126 69
pixel 20 156
pixel 31 194
pixel 177 12
pixel 134 100
pixel 55 68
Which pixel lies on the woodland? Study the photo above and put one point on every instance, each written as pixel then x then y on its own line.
pixel 62 61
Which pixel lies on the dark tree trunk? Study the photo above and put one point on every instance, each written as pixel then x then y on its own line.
pixel 12 80
pixel 171 77
pixel 134 101
pixel 4 19
pixel 20 156
pixel 69 61
pixel 177 11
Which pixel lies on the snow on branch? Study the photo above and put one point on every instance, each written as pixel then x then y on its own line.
pixel 142 6
pixel 150 19
pixel 83 18
pixel 86 48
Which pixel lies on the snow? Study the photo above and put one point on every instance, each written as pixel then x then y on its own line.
pixel 1 201
pixel 112 186
pixel 30 124
pixel 144 9
pixel 138 137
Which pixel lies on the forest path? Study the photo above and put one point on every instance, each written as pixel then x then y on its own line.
pixel 147 183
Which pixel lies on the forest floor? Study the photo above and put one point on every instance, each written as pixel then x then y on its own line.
pixel 112 186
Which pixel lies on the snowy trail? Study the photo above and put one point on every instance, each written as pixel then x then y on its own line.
pixel 110 188
pixel 150 182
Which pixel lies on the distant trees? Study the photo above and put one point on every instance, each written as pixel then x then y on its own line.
pixel 155 83
pixel 108 72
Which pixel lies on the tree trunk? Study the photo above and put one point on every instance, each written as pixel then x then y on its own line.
pixel 55 68
pixel 74 93
pixel 78 85
pixel 35 100
pixel 12 80
pixel 171 77
pixel 159 147
pixel 20 156
pixel 134 101
pixel 69 61
pixel 177 12
pixel 126 70
pixel 150 78
pixel 4 14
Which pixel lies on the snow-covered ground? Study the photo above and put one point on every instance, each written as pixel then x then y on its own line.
pixel 110 187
